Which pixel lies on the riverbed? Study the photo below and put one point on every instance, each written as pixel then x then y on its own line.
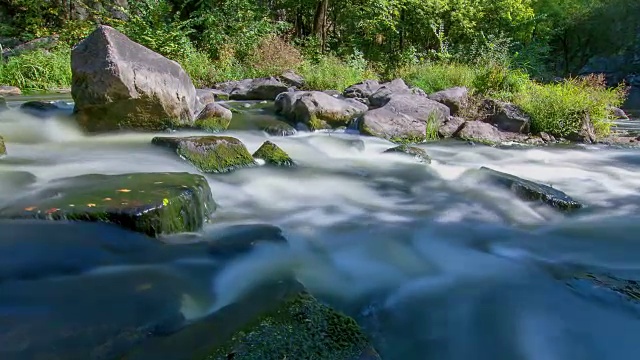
pixel 431 263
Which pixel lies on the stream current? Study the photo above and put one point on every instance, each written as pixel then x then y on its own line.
pixel 432 264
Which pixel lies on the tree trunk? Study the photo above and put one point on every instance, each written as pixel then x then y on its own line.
pixel 320 22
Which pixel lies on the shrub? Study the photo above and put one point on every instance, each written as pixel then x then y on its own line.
pixel 560 108
pixel 499 81
pixel 38 70
pixel 332 73
pixel 432 77
pixel 273 56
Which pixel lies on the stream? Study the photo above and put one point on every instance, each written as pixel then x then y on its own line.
pixel 432 264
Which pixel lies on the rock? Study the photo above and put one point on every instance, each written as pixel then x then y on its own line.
pixel 479 131
pixel 318 110
pixel 3 147
pixel 240 239
pixel 403 118
pixel 456 98
pixel 43 109
pixel 290 78
pixel 150 203
pixel 618 113
pixel 419 154
pixel 273 155
pixel 362 91
pixel 586 134
pixel 10 91
pixel 608 289
pixel 450 126
pixel 214 117
pixel 44 43
pixel 257 89
pixel 210 154
pixel 506 116
pixel 206 96
pixel 261 122
pixel 546 137
pixel 287 323
pixel 383 94
pixel 3 104
pixel 334 93
pixel 119 84
pixel 532 191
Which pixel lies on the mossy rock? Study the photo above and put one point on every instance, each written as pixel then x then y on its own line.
pixel 300 328
pixel 3 148
pixel 210 154
pixel 531 191
pixel 273 155
pixel 419 154
pixel 150 203
pixel 214 117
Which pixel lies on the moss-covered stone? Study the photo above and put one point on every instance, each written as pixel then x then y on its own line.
pixel 150 203
pixel 210 154
pixel 214 118
pixel 273 155
pixel 531 191
pixel 300 328
pixel 418 153
pixel 3 148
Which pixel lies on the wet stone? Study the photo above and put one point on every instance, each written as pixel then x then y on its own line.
pixel 419 154
pixel 532 191
pixel 273 155
pixel 210 154
pixel 150 203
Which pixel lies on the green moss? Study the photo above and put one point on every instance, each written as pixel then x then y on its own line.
pixel 273 155
pixel 301 328
pixel 210 154
pixel 418 153
pixel 3 148
pixel 151 203
pixel 214 124
pixel 315 123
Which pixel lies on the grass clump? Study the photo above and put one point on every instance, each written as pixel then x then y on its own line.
pixel 331 73
pixel 559 109
pixel 433 77
pixel 38 70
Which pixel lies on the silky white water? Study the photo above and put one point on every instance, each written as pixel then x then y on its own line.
pixel 433 264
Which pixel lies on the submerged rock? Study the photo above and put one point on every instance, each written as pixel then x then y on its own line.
pixel 318 110
pixel 286 323
pixel 531 191
pixel 405 117
pixel 3 147
pixel 417 153
pixel 119 84
pixel 623 293
pixel 10 91
pixel 150 203
pixel 214 117
pixel 210 154
pixel 273 155
pixel 456 98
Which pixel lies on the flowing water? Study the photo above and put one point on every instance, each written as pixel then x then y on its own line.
pixel 433 264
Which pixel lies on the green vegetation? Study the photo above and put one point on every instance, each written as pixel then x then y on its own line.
pixel 273 155
pixel 507 49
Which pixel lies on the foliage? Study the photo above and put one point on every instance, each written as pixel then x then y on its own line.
pixel 38 70
pixel 433 77
pixel 332 73
pixel 559 109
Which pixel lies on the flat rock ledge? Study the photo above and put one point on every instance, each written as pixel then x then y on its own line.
pixel 150 203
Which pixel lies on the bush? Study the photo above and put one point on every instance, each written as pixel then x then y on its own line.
pixel 332 73
pixel 433 77
pixel 273 56
pixel 38 70
pixel 559 109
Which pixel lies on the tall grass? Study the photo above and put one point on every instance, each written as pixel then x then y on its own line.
pixel 433 77
pixel 38 70
pixel 559 109
pixel 330 73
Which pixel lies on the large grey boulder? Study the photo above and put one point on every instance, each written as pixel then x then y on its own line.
pixel 119 84
pixel 456 98
pixel 318 110
pixel 214 117
pixel 291 78
pixel 362 91
pixel 404 117
pixel 506 116
pixel 481 132
pixel 10 91
pixel 450 126
pixel 384 93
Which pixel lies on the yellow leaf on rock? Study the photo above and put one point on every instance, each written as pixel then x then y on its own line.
pixel 123 190
pixel 91 205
